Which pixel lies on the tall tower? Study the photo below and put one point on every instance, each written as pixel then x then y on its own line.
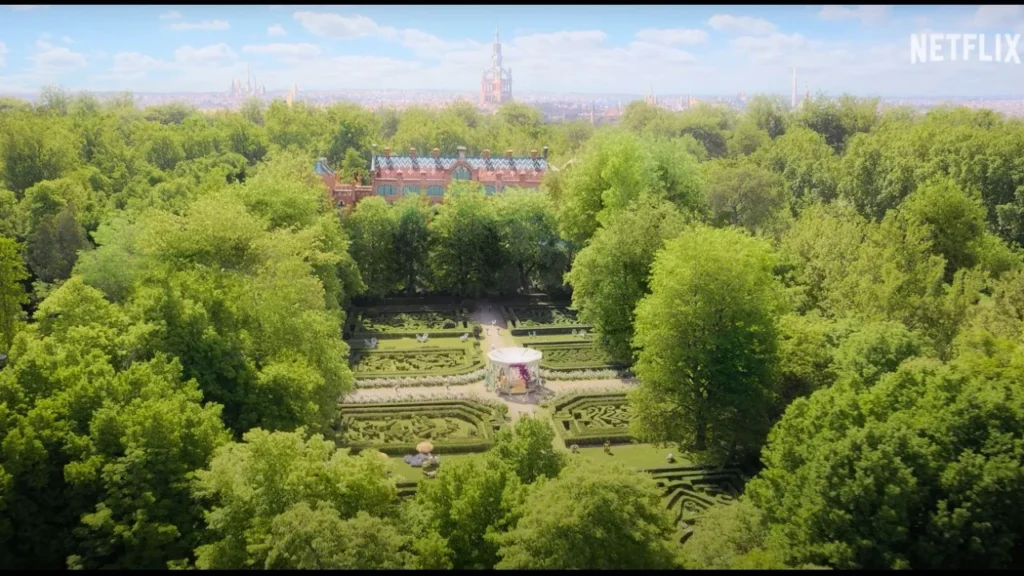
pixel 793 96
pixel 248 80
pixel 496 83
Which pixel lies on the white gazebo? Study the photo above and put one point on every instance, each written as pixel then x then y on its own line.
pixel 513 370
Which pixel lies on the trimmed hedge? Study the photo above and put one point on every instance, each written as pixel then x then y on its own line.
pixel 691 490
pixel 400 439
pixel 573 356
pixel 606 410
pixel 377 318
pixel 469 361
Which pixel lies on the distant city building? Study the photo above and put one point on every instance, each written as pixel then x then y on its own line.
pixel 250 88
pixel 496 84
pixel 289 98
pixel 651 99
pixel 393 177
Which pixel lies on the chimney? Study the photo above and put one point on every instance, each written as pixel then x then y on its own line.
pixel 462 153
pixel 412 152
pixel 436 153
pixel 544 151
pixel 533 154
pixel 487 154
pixel 387 151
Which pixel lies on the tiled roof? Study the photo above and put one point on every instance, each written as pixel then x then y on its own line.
pixel 429 163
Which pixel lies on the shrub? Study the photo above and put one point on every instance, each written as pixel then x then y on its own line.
pixel 450 324
pixel 433 380
pixel 477 330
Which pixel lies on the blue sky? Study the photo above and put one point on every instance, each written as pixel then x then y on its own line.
pixel 586 49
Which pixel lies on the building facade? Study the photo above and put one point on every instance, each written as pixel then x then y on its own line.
pixel 496 84
pixel 393 177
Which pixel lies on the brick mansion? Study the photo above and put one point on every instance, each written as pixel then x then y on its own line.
pixel 393 177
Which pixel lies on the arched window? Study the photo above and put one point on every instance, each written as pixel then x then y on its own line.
pixel 460 173
pixel 406 190
pixel 435 190
pixel 384 190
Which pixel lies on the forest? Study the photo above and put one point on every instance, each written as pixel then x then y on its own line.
pixel 831 298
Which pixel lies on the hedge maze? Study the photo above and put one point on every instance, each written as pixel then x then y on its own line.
pixel 454 426
pixel 690 490
pixel 408 320
pixel 541 316
pixel 592 419
pixel 573 356
pixel 413 363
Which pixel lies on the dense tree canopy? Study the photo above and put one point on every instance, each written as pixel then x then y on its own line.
pixel 843 279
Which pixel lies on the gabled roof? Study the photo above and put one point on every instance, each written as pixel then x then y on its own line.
pixel 322 168
pixel 492 164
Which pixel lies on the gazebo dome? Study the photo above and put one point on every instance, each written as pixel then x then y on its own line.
pixel 514 356
pixel 513 370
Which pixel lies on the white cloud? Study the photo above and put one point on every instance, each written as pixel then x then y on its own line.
pixel 992 16
pixel 741 24
pixel 3 50
pixel 337 26
pixel 792 50
pixel 172 15
pixel 212 54
pixel 67 40
pixel 284 51
pixel 672 36
pixel 277 30
pixel 866 14
pixel 204 25
pixel 135 65
pixel 50 57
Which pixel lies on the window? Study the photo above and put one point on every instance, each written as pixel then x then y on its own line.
pixel 406 190
pixel 383 190
pixel 488 190
pixel 435 190
pixel 460 173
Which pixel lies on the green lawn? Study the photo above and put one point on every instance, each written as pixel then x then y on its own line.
pixel 640 456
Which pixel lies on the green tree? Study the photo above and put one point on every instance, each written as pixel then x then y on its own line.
pixel 743 194
pixel 707 341
pixel 594 517
pixel 466 252
pixel 373 229
pixel 529 236
pixel 610 275
pixel 263 493
pixel 353 166
pixel 769 113
pixel 12 290
pixel 527 449
pixel 920 470
pixel 412 216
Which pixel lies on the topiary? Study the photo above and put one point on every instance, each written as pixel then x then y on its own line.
pixel 477 330
pixel 449 324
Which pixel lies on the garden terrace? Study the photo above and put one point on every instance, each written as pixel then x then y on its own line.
pixel 591 419
pixel 403 320
pixel 454 426
pixel 451 358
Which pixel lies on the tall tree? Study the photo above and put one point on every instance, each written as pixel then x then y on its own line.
pixel 12 290
pixel 610 275
pixel 466 252
pixel 706 337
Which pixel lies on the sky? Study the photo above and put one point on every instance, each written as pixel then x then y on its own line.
pixel 699 50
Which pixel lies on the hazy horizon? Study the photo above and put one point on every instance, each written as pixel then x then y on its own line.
pixel 599 50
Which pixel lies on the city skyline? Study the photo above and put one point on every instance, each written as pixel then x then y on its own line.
pixel 861 50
